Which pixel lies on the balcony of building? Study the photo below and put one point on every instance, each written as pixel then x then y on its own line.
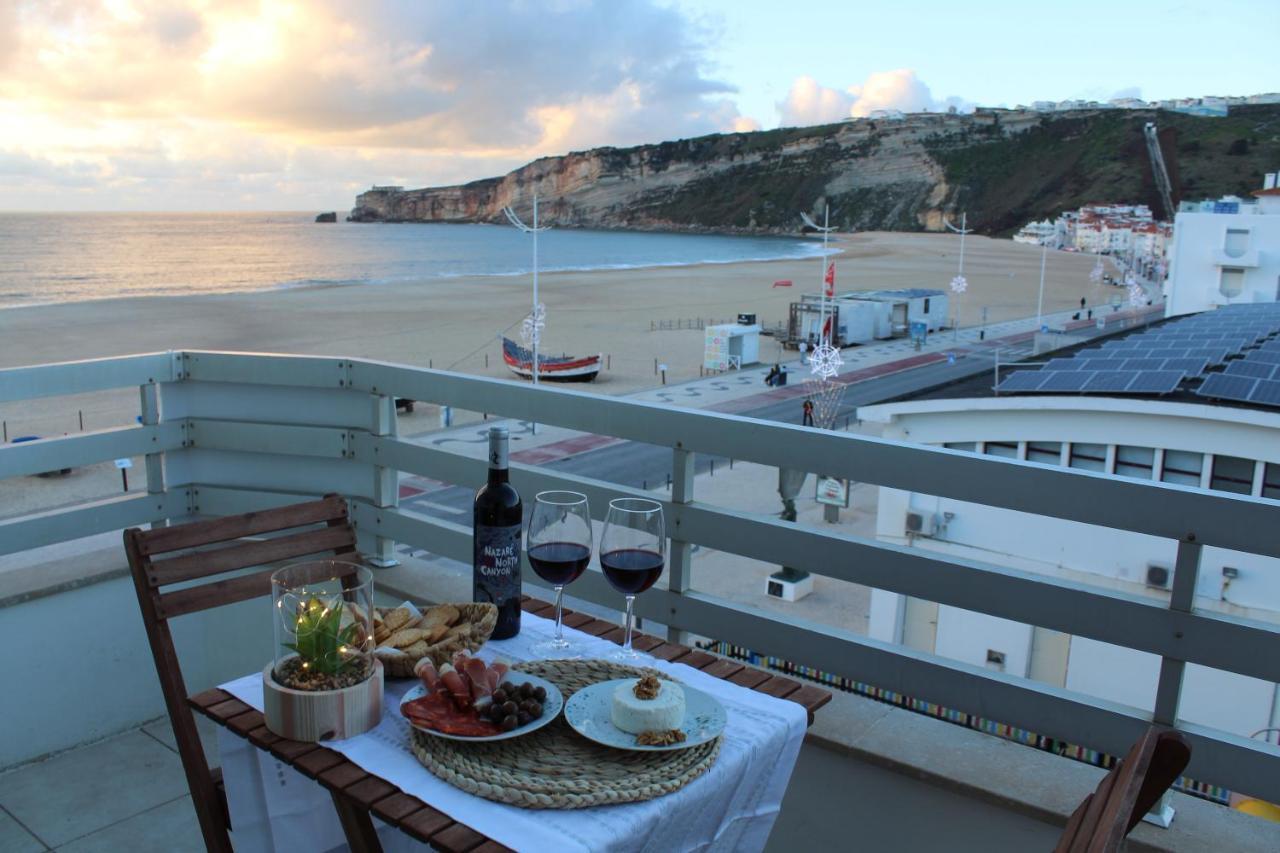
pixel 222 433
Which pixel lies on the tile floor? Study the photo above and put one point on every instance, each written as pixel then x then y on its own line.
pixel 127 792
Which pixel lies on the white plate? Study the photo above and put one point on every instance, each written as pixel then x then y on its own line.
pixel 589 712
pixel 550 709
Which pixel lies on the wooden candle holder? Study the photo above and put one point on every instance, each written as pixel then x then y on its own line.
pixel 316 715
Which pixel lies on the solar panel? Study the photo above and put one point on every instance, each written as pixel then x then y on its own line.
pixel 1192 366
pixel 1224 387
pixel 1256 369
pixel 1266 392
pixel 1065 364
pixel 1102 363
pixel 1111 380
pixel 1143 363
pixel 1065 380
pixel 1022 380
pixel 1155 382
pixel 1264 356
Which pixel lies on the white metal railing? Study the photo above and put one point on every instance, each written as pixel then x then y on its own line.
pixel 229 432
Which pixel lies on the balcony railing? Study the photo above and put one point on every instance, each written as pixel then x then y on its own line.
pixel 228 432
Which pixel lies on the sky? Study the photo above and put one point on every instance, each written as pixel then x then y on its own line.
pixel 292 105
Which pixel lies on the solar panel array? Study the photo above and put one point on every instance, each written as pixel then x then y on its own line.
pixel 1235 349
pixel 1255 378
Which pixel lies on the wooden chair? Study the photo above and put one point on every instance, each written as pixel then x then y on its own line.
pixel 1106 817
pixel 149 575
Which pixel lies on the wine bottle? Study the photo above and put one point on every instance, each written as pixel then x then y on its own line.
pixel 495 574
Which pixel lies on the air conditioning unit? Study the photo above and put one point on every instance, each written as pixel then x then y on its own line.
pixel 1157 575
pixel 779 585
pixel 922 524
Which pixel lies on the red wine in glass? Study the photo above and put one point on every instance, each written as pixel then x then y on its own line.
pixel 631 570
pixel 559 563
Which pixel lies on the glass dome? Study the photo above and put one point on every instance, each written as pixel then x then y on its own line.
pixel 323 624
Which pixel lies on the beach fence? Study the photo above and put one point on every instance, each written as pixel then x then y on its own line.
pixel 685 324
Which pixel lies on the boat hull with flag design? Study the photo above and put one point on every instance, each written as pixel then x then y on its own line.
pixel 551 368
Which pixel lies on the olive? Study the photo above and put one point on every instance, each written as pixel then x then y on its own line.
pixel 509 722
pixel 540 693
pixel 499 696
pixel 523 718
pixel 509 688
pixel 526 690
pixel 496 713
pixel 535 710
pixel 510 707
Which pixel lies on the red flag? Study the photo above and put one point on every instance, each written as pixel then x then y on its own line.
pixel 826 330
pixel 831 279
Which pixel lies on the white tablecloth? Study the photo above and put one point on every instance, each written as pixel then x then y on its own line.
pixel 732 807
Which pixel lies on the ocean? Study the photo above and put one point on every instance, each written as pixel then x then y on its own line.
pixel 72 257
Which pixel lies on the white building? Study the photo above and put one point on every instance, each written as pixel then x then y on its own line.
pixel 1206 446
pixel 1228 257
pixel 1042 233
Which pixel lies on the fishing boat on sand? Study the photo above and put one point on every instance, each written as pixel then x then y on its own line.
pixel 551 368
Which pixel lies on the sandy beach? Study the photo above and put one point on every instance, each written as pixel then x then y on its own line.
pixel 455 323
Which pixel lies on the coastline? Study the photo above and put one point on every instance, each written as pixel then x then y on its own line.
pixel 455 323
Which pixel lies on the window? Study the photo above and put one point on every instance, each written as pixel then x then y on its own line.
pixel 1090 457
pixel 1237 242
pixel 1007 449
pixel 1232 282
pixel 1137 462
pixel 1271 481
pixel 967 446
pixel 1182 467
pixel 1232 474
pixel 1044 452
pixel 926 305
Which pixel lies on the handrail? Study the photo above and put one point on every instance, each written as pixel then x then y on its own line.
pixel 242 431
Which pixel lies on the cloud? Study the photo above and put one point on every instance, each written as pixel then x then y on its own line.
pixel 809 102
pixel 132 85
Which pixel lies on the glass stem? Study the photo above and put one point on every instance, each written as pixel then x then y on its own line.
pixel 559 612
pixel 626 644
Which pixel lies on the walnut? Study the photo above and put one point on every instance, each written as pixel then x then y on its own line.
pixel 647 688
pixel 660 738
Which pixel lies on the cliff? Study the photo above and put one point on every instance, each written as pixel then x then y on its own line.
pixel 1003 167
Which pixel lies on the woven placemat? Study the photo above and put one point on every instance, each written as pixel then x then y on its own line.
pixel 557 768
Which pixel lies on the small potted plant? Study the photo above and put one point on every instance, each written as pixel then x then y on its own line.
pixel 325 682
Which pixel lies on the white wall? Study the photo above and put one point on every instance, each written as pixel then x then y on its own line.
pixel 83 669
pixel 1197 259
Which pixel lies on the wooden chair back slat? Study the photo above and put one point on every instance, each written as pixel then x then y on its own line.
pixel 1106 816
pixel 200 564
pixel 336 537
pixel 231 527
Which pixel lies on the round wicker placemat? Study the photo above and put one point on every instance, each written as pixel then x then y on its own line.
pixel 555 767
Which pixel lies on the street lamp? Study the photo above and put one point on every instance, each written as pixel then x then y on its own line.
pixel 531 328
pixel 959 284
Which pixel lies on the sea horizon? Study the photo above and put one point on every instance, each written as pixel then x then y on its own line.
pixel 49 257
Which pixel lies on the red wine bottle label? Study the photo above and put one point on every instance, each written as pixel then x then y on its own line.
pixel 496 576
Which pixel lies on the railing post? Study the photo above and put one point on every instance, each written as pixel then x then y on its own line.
pixel 386 485
pixel 679 578
pixel 1186 570
pixel 149 403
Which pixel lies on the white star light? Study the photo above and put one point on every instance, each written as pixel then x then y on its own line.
pixel 959 284
pixel 531 327
pixel 825 360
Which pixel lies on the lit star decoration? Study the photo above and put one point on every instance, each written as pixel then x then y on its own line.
pixel 825 360
pixel 532 325
pixel 959 284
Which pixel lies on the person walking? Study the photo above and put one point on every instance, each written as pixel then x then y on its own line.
pixel 808 413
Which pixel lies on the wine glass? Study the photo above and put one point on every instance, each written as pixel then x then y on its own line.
pixel 633 550
pixel 559 549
